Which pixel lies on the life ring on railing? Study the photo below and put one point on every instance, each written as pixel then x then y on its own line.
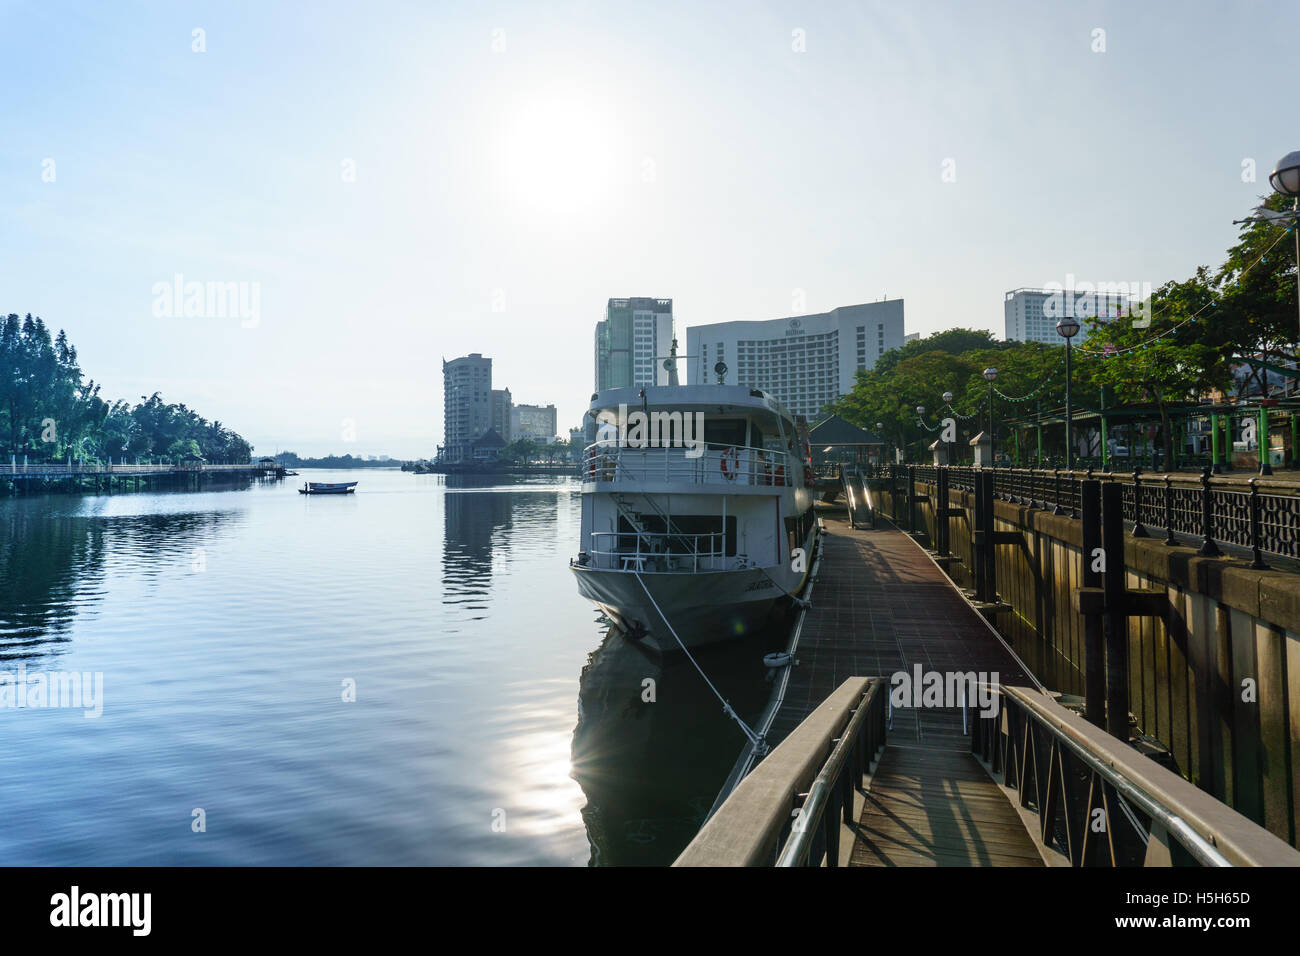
pixel 778 476
pixel 730 463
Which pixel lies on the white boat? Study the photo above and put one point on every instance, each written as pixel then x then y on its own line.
pixel 328 488
pixel 692 544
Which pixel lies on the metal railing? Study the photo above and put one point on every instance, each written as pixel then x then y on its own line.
pixel 814 828
pixel 1253 514
pixel 741 465
pixel 790 808
pixel 76 468
pixel 662 552
pixel 1101 802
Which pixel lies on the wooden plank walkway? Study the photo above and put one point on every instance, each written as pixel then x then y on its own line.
pixel 928 806
pixel 881 606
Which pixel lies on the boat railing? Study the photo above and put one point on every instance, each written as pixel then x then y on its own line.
pixel 658 552
pixel 606 462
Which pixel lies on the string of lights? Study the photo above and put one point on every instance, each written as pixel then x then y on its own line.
pixel 1112 351
pixel 1051 377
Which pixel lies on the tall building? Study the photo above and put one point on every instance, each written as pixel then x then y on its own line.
pixel 534 421
pixel 805 361
pixel 466 404
pixel 631 342
pixel 502 408
pixel 1031 314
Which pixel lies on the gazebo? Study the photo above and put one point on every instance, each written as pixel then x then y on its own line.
pixel 835 440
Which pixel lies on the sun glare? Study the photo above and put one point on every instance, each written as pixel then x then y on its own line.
pixel 554 156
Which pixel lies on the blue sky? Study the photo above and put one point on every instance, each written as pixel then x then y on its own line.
pixel 518 164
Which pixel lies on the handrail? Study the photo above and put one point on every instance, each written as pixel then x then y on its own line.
pixel 836 744
pixel 1211 832
pixel 1254 513
pixel 78 468
pixel 799 847
pixel 716 550
pixel 719 465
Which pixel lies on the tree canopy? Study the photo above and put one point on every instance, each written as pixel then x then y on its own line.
pixel 49 410
pixel 1188 342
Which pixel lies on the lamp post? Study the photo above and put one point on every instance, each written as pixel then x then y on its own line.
pixel 1285 179
pixel 989 375
pixel 948 445
pixel 880 430
pixel 1067 328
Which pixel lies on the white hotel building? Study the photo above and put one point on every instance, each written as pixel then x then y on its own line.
pixel 804 361
pixel 1031 314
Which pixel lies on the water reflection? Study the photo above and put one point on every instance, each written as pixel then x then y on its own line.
pixel 223 687
pixel 652 746
pixel 52 566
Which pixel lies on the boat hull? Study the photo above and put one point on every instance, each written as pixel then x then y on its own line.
pixel 702 608
pixel 328 488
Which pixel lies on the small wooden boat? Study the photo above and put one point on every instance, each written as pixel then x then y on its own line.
pixel 328 488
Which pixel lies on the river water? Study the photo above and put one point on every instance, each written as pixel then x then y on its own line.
pixel 405 675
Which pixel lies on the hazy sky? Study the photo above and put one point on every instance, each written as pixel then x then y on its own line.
pixel 403 182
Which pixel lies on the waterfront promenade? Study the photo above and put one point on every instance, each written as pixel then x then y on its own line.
pixel 853 780
pixel 75 477
pixel 883 607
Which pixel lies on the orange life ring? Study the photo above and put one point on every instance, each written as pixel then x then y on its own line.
pixel 730 471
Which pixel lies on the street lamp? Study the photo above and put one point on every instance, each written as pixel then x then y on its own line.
pixel 880 430
pixel 1067 328
pixel 989 375
pixel 1285 179
pixel 947 398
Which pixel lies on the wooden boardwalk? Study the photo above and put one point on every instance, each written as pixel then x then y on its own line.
pixel 930 806
pixel 882 606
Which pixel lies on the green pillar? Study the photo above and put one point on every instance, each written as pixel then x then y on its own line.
pixel 1295 440
pixel 1105 433
pixel 1225 443
pixel 1265 466
pixel 1015 433
pixel 1214 443
pixel 1038 423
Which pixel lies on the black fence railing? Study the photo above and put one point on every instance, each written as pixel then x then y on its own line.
pixel 1254 514
pixel 1097 801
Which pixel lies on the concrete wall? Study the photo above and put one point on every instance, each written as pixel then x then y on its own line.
pixel 1227 625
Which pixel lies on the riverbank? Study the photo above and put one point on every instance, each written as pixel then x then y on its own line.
pixel 492 468
pixel 68 478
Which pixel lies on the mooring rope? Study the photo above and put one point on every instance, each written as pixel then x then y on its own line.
pixel 759 744
pixel 798 601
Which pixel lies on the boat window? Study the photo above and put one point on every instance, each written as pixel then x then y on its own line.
pixel 724 432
